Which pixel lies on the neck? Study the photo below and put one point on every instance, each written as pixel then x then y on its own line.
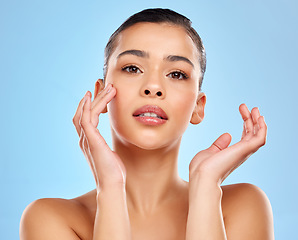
pixel 152 177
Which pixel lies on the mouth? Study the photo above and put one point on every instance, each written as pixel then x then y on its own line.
pixel 150 115
pixel 151 112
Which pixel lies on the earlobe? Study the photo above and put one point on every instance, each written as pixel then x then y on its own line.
pixel 195 119
pixel 99 86
pixel 198 113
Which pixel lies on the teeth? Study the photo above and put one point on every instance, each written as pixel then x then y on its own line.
pixel 149 114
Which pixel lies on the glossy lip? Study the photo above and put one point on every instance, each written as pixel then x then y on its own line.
pixel 153 121
pixel 152 109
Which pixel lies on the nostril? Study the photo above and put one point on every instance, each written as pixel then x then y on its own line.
pixel 147 91
pixel 159 93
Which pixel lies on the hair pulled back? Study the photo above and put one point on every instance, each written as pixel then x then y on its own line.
pixel 158 15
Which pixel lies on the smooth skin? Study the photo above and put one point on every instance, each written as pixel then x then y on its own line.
pixel 139 194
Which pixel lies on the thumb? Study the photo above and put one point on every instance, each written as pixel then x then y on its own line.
pixel 221 143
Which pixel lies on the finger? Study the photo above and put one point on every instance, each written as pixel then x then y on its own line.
pixel 82 135
pixel 221 143
pixel 255 113
pixel 246 116
pixel 262 133
pixel 83 142
pixel 77 117
pixel 243 131
pixel 92 134
pixel 99 96
pixel 101 104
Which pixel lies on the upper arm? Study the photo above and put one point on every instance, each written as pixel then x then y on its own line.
pixel 249 215
pixel 41 220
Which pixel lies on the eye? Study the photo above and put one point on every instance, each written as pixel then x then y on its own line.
pixel 178 75
pixel 131 69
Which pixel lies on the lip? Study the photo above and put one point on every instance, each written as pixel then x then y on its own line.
pixel 153 121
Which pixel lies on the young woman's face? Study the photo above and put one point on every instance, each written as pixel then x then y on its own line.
pixel 154 68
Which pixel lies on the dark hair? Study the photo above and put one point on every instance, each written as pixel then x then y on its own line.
pixel 158 15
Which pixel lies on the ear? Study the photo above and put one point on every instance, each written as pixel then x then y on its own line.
pixel 198 113
pixel 99 86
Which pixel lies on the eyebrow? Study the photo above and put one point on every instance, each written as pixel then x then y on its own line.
pixel 175 58
pixel 143 54
pixel 134 52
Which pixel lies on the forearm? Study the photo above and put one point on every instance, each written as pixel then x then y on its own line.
pixel 205 219
pixel 112 219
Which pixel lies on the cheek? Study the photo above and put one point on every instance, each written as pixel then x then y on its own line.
pixel 125 95
pixel 115 109
pixel 186 103
pixel 184 106
pixel 118 109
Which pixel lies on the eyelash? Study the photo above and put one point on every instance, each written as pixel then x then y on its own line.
pixel 128 68
pixel 184 75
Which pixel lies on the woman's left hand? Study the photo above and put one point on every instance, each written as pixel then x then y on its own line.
pixel 219 161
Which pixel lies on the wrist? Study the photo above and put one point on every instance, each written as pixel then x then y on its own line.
pixel 111 192
pixel 204 186
pixel 204 179
pixel 111 187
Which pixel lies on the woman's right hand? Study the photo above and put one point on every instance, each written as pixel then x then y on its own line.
pixel 107 168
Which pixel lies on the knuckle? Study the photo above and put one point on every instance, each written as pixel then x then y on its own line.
pixel 85 144
pixel 263 141
pixel 81 142
pixel 80 123
pixel 83 122
pixel 258 142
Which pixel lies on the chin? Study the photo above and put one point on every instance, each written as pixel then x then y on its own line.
pixel 149 145
pixel 132 134
pixel 143 140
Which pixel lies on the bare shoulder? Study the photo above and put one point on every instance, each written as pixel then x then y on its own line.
pixel 247 212
pixel 56 218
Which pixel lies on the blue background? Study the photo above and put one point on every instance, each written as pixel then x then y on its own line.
pixel 52 53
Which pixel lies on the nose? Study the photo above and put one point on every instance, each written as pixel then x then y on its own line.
pixel 150 93
pixel 153 89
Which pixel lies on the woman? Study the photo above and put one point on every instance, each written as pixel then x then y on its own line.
pixel 154 67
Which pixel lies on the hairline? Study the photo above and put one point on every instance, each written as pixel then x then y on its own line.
pixel 114 40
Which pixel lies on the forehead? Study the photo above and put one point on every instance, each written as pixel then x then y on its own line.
pixel 158 39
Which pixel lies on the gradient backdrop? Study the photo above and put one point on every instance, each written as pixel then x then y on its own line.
pixel 52 53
